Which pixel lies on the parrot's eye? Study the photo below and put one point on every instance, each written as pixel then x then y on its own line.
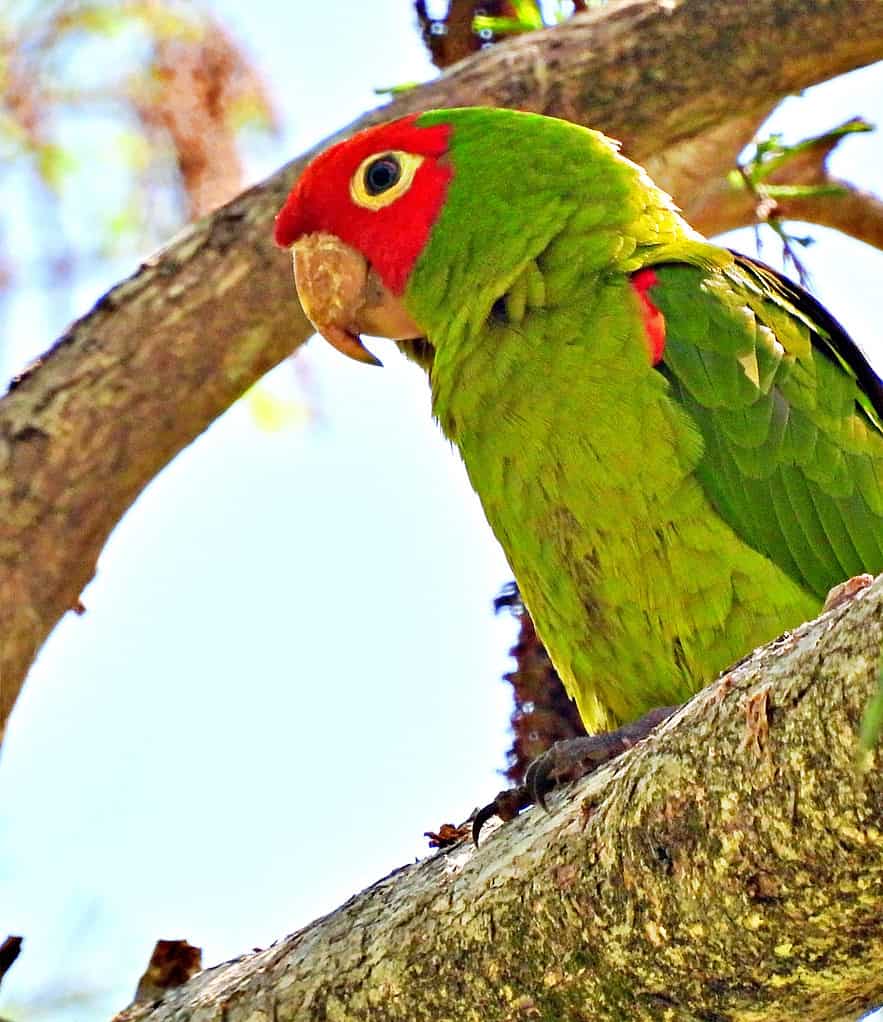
pixel 382 174
pixel 381 178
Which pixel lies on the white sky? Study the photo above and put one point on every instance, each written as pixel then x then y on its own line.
pixel 289 668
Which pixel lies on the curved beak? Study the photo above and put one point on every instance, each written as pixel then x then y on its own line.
pixel 343 296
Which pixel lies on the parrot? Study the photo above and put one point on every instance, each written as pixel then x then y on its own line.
pixel 679 450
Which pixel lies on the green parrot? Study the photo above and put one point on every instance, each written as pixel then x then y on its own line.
pixel 679 450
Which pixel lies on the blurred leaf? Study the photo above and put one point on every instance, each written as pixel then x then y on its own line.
pixel 167 23
pixel 12 133
pixel 155 96
pixel 98 19
pixel 395 90
pixel 528 17
pixel 161 20
pixel 502 26
pixel 249 111
pixel 120 227
pixel 134 150
pixel 528 12
pixel 272 413
pixel 53 164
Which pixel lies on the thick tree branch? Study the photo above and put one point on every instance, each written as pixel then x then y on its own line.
pixel 165 353
pixel 731 867
pixel 696 170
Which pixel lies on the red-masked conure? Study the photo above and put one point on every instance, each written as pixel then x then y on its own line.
pixel 679 450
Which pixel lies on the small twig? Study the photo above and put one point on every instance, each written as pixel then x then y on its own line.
pixel 768 211
pixel 10 949
pixel 792 183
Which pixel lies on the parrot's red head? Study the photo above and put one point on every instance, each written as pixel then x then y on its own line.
pixel 416 229
pixel 379 191
pixel 358 219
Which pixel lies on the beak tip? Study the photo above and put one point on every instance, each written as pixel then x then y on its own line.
pixel 348 344
pixel 363 355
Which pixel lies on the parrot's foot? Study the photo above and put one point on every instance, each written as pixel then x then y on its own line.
pixel 567 761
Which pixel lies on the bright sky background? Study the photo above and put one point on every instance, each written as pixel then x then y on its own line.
pixel 289 667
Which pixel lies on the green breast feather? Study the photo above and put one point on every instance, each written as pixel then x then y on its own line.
pixel 661 520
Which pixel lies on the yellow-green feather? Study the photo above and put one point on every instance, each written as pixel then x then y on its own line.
pixel 646 511
pixel 794 460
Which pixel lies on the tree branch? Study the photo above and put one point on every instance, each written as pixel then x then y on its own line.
pixel 165 352
pixel 730 867
pixel 852 211
pixel 720 206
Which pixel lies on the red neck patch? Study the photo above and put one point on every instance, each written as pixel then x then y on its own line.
pixel 654 321
pixel 390 238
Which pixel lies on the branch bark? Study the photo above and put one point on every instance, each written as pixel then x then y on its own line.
pixel 730 867
pixel 836 203
pixel 165 352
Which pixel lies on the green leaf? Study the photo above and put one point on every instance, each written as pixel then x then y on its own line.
pixel 500 26
pixel 802 191
pixel 528 18
pixel 395 90
pixel 771 153
pixel 528 12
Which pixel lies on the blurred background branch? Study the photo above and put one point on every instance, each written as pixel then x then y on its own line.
pixel 154 93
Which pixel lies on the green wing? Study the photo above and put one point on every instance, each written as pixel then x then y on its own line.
pixel 791 414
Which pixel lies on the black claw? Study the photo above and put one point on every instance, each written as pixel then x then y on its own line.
pixel 481 817
pixel 507 805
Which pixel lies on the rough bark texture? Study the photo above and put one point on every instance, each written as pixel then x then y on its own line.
pixel 731 867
